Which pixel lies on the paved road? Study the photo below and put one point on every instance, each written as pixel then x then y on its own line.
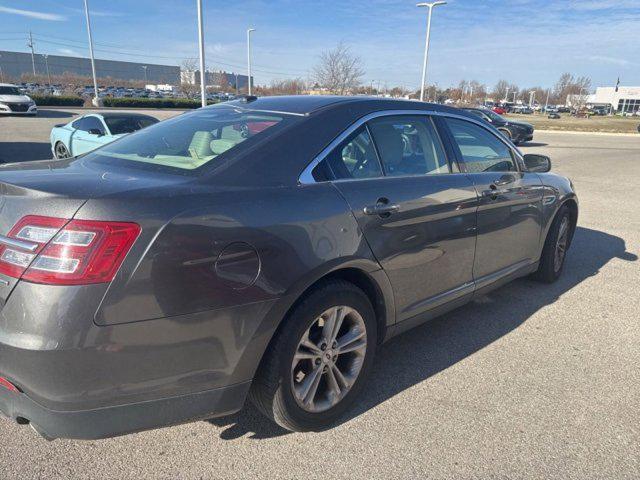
pixel 537 381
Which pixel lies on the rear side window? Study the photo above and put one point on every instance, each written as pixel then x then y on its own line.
pixel 408 145
pixel 480 149
pixel 355 157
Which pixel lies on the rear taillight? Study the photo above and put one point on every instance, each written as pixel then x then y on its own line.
pixel 56 251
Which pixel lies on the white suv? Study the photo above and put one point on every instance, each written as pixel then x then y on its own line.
pixel 15 102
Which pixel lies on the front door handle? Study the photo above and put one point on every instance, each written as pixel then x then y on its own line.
pixel 493 193
pixel 382 208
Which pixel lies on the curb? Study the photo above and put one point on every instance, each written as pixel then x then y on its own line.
pixel 580 132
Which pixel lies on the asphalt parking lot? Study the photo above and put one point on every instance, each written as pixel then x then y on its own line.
pixel 537 381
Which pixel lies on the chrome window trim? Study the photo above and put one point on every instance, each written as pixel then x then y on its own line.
pixel 306 177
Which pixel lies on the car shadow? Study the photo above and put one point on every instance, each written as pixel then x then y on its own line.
pixel 24 151
pixel 56 113
pixel 421 353
pixel 533 144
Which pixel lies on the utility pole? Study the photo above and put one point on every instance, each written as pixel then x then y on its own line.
pixel 236 83
pixel 144 67
pixel 426 44
pixel 546 102
pixel 46 62
pixel 1 74
pixel 203 83
pixel 33 56
pixel 96 100
pixel 249 30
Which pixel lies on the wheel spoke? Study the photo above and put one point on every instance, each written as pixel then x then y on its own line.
pixel 333 382
pixel 303 355
pixel 310 385
pixel 350 341
pixel 330 324
pixel 339 377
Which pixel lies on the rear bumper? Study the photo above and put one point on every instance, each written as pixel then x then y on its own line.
pixel 118 420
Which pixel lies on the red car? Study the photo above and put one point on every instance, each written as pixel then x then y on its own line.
pixel 499 110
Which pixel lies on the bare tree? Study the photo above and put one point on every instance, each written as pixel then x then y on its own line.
pixel 188 81
pixel 568 85
pixel 500 91
pixel 339 71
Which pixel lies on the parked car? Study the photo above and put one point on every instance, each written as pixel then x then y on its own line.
pixel 15 102
pixel 517 132
pixel 263 248
pixel 94 130
pixel 499 110
pixel 524 109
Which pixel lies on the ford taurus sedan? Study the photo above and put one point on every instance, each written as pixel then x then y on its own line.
pixel 263 249
pixel 94 130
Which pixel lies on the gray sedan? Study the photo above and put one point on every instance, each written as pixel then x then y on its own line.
pixel 261 248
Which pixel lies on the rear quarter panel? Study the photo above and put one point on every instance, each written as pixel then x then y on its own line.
pixel 176 267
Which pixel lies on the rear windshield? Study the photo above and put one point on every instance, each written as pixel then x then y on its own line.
pixel 9 91
pixel 192 140
pixel 128 123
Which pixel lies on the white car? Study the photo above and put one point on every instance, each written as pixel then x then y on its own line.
pixel 15 102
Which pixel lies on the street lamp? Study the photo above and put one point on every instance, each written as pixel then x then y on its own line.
pixel 96 100
pixel 1 74
pixel 426 45
pixel 144 67
pixel 203 84
pixel 46 62
pixel 249 30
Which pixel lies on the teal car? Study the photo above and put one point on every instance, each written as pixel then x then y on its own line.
pixel 94 130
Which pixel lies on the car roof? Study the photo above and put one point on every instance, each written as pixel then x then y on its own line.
pixel 308 104
pixel 8 85
pixel 119 114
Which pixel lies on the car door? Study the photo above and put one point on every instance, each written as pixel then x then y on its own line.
pixel 416 210
pixel 85 139
pixel 510 205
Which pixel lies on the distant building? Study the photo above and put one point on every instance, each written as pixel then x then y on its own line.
pixel 219 79
pixel 626 99
pixel 15 64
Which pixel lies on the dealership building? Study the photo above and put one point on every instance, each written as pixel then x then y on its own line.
pixel 620 99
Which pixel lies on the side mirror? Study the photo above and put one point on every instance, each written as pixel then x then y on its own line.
pixel 537 163
pixel 95 131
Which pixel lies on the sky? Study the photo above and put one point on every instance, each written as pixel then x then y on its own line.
pixel 527 42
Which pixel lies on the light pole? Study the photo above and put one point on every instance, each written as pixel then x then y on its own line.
pixel 144 67
pixel 46 63
pixel 426 45
pixel 249 30
pixel 96 100
pixel 203 83
pixel 1 74
pixel 546 102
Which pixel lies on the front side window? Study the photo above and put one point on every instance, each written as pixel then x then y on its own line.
pixel 480 149
pixel 408 145
pixel 92 123
pixel 192 140
pixel 355 157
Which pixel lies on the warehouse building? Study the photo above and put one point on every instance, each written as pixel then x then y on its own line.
pixel 15 64
pixel 216 79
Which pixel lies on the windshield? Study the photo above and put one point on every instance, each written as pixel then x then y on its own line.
pixel 9 91
pixel 192 140
pixel 128 123
pixel 494 116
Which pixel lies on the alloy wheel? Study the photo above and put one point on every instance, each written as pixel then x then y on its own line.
pixel 328 359
pixel 61 151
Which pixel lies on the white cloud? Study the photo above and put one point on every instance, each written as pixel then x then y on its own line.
pixel 54 17
pixel 68 51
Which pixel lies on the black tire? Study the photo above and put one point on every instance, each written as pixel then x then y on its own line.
pixel 548 270
pixel 272 389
